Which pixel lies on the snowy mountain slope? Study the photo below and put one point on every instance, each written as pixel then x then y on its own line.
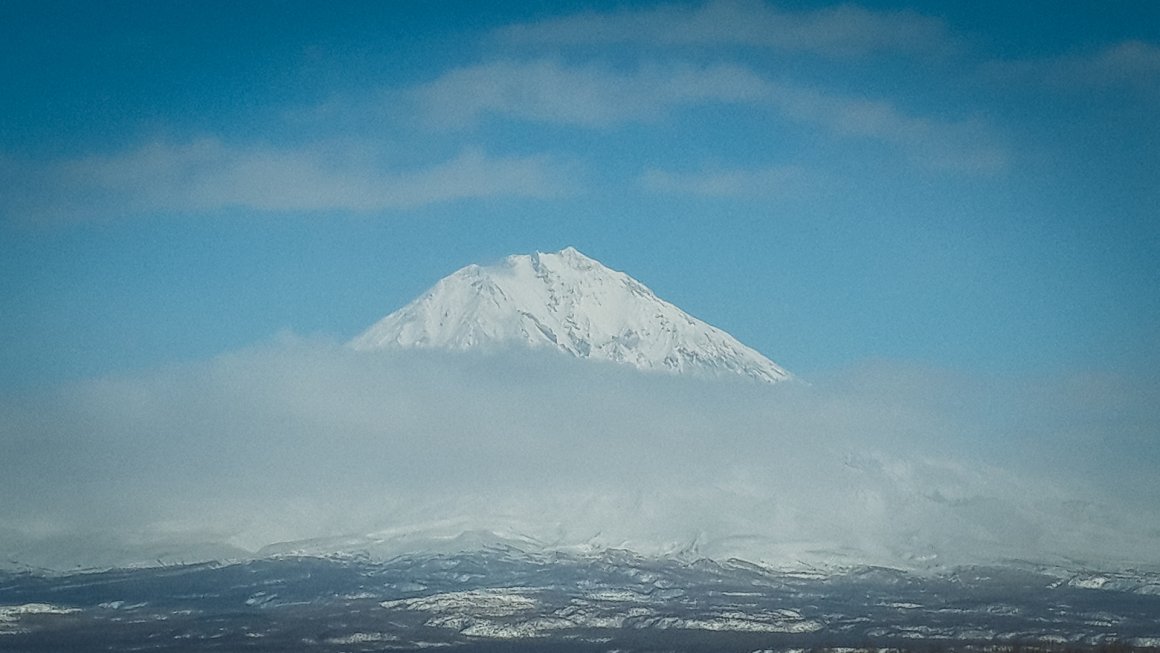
pixel 567 301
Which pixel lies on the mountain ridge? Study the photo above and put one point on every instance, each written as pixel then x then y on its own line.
pixel 571 303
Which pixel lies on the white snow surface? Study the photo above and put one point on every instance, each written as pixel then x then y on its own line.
pixel 572 303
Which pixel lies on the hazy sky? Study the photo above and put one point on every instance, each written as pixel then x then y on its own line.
pixel 965 185
pixel 944 216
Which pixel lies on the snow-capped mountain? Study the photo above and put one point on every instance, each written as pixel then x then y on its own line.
pixel 570 302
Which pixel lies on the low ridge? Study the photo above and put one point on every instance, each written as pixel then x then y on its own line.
pixel 570 302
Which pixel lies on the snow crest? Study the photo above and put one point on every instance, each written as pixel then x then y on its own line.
pixel 570 302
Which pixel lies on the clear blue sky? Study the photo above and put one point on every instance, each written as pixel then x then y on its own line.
pixel 971 185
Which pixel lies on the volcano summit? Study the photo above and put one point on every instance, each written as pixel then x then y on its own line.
pixel 574 304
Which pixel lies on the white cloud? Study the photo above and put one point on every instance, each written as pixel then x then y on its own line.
pixel 585 96
pixel 775 181
pixel 593 96
pixel 967 145
pixel 842 31
pixel 1128 64
pixel 207 174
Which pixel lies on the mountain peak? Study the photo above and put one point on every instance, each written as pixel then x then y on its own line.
pixel 573 255
pixel 570 302
pixel 569 257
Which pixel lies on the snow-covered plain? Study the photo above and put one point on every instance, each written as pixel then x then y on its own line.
pixel 592 603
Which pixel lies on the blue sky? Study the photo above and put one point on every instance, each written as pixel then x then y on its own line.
pixel 967 186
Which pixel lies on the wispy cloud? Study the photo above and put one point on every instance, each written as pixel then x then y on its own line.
pixel 593 96
pixel 769 181
pixel 207 174
pixel 967 145
pixel 1129 64
pixel 840 31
